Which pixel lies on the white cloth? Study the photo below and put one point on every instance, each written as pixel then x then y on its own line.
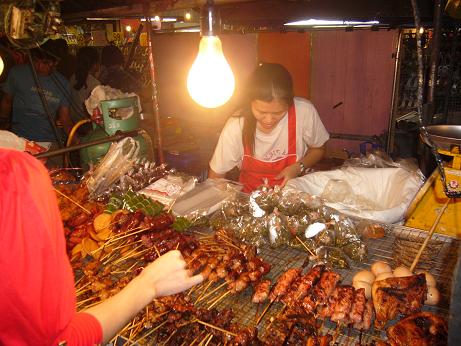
pixel 310 132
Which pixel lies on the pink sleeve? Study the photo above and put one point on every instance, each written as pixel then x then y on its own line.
pixel 84 329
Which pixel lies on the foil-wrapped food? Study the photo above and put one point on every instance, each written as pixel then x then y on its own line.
pixel 275 217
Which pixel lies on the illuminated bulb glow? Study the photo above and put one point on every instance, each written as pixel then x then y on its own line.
pixel 128 28
pixel 421 30
pixel 188 16
pixel 2 65
pixel 210 81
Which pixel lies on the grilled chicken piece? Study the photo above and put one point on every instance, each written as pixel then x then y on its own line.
pixel 261 291
pixel 284 282
pixel 404 295
pixel 321 291
pixel 302 285
pixel 422 329
pixel 343 305
pixel 365 323
pixel 358 306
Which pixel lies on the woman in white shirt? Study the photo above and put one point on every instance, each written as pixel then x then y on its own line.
pixel 275 136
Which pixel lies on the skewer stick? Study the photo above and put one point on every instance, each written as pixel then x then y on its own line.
pixel 305 246
pixel 216 327
pixel 210 293
pixel 70 199
pixel 156 250
pixel 337 331
pixel 219 299
pixel 150 332
pixel 127 235
pixel 264 311
pixel 429 236
pixel 204 291
pixel 209 339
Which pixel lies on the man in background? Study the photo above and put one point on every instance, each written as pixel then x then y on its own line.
pixel 23 103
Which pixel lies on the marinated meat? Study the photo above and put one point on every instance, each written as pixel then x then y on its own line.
pixel 284 282
pixel 343 304
pixel 321 291
pixel 358 306
pixel 392 296
pixel 422 329
pixel 261 291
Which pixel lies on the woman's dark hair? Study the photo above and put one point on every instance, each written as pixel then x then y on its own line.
pixel 111 55
pixel 268 82
pixel 87 57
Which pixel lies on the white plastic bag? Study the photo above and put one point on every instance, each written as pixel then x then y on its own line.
pixel 380 194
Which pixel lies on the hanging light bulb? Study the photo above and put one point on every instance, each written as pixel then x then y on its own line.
pixel 2 65
pixel 210 81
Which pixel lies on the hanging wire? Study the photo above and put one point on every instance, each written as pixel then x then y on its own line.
pixel 419 100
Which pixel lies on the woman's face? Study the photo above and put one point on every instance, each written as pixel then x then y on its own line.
pixel 268 114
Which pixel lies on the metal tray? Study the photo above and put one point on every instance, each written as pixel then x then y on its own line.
pixel 444 252
pixel 441 263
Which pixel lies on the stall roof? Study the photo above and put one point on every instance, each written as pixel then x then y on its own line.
pixel 256 15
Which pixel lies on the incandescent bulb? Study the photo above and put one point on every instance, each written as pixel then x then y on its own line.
pixel 210 81
pixel 2 65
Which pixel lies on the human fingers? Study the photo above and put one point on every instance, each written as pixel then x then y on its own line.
pixel 195 280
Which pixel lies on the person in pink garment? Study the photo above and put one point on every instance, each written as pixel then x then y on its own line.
pixel 37 294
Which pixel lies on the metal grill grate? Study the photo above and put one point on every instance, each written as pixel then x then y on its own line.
pixel 444 251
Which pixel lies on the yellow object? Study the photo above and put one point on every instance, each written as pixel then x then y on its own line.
pixel 71 137
pixel 210 81
pixel 424 208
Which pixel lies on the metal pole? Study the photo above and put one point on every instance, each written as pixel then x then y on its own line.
pixel 435 52
pixel 134 44
pixel 157 131
pixel 395 90
pixel 118 136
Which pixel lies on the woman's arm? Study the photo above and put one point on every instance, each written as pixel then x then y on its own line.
pixel 312 156
pixel 165 276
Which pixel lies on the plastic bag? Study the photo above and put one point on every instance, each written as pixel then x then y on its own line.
pixel 380 194
pixel 119 159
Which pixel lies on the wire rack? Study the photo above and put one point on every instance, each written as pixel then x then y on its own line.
pixel 443 252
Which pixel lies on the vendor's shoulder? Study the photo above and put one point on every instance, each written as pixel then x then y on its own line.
pixel 235 121
pixel 303 102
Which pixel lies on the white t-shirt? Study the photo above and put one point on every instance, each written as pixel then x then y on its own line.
pixel 310 132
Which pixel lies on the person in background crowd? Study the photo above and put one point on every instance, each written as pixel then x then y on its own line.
pixel 22 101
pixel 84 80
pixel 114 74
pixel 37 294
pixel 67 62
pixel 274 135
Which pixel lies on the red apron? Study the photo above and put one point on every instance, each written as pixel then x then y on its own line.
pixel 253 171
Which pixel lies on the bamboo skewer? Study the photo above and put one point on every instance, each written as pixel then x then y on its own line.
pixel 204 291
pixel 210 293
pixel 215 327
pixel 70 199
pixel 219 299
pixel 264 311
pixel 305 246
pixel 150 332
pixel 429 236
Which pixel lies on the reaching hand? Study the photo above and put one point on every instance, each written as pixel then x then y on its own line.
pixel 288 173
pixel 168 275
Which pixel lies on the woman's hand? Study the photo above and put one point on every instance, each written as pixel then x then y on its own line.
pixel 289 172
pixel 168 275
